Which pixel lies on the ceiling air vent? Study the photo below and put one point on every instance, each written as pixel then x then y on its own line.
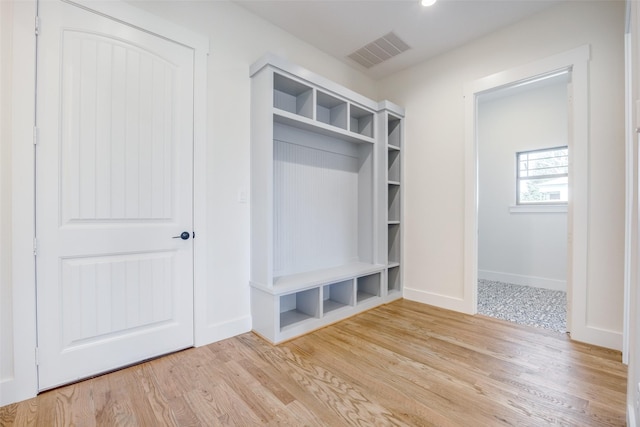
pixel 380 50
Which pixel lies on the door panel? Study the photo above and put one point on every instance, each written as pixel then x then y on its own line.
pixel 117 101
pixel 114 186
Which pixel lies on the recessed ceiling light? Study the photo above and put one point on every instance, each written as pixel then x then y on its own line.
pixel 427 3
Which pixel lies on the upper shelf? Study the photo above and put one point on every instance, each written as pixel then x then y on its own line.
pixel 304 123
pixel 304 106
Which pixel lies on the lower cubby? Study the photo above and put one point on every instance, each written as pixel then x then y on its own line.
pixel 298 307
pixel 337 295
pixel 302 303
pixel 368 287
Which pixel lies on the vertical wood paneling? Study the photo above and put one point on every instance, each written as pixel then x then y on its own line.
pixel 104 122
pixel 315 208
pixel 70 98
pixel 88 301
pixel 107 295
pixel 104 300
pixel 87 124
pixel 145 148
pixel 132 135
pixel 70 303
pixel 118 296
pixel 168 135
pixel 157 139
pixel 161 298
pixel 132 281
pixel 118 131
pixel 146 292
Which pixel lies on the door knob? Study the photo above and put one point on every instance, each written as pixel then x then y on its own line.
pixel 184 236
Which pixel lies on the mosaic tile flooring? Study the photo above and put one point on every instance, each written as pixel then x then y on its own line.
pixel 542 308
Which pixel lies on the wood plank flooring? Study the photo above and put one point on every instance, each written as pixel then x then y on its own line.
pixel 403 364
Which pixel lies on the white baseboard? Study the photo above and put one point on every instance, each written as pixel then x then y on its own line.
pixel 442 301
pixel 631 416
pixel 519 279
pixel 12 391
pixel 223 330
pixel 596 336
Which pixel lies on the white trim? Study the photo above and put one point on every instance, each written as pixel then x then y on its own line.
pixel 24 384
pixel 200 200
pixel 223 330
pixel 578 61
pixel 132 16
pixel 443 301
pixel 629 191
pixel 516 209
pixel 524 280
pixel 631 416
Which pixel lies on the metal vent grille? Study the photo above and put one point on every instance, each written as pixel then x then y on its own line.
pixel 380 50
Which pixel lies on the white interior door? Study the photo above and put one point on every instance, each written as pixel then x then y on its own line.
pixel 114 186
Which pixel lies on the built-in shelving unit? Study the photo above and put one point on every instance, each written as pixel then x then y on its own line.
pixel 316 202
pixel 391 123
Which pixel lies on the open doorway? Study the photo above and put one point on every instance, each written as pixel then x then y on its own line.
pixel 523 164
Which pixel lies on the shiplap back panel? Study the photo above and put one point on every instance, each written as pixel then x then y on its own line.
pixel 116 130
pixel 315 206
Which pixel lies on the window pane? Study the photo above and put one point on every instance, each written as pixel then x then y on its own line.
pixel 541 154
pixel 543 162
pixel 534 190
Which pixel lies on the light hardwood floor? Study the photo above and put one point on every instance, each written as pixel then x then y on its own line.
pixel 401 364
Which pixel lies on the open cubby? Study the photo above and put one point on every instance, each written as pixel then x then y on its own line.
pixel 393 279
pixel 337 295
pixel 368 287
pixel 331 110
pixel 394 243
pixel 292 96
pixel 361 121
pixel 393 159
pixel 394 202
pixel 393 131
pixel 300 306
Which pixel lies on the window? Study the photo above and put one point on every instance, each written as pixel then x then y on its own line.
pixel 542 176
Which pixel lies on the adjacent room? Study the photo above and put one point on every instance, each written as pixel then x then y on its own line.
pixel 523 159
pixel 310 212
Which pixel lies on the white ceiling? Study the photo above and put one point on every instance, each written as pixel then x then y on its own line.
pixel 339 27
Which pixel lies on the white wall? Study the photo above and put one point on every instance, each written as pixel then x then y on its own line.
pixel 522 248
pixel 432 94
pixel 237 39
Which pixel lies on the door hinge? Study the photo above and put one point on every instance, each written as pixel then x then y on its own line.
pixel 37 356
pixel 36 134
pixel 35 247
pixel 37 26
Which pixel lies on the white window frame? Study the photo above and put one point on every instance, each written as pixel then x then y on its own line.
pixel 519 179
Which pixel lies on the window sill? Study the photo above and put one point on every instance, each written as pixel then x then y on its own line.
pixel 538 209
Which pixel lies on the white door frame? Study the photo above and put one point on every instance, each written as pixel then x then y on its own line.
pixel 23 384
pixel 577 61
